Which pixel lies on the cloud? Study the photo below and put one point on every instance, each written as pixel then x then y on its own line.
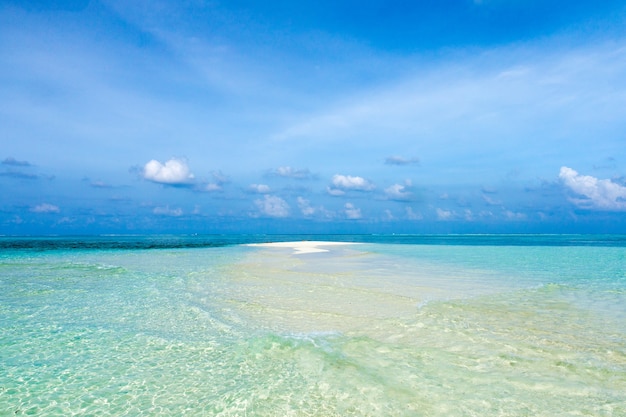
pixel 398 160
pixel 491 201
pixel 211 187
pixel 595 193
pixel 515 216
pixel 411 215
pixel 305 207
pixel 444 214
pixel 273 206
pixel 352 212
pixel 45 208
pixel 289 172
pixel 399 192
pixel 259 188
pixel 173 172
pixel 219 180
pixel 100 184
pixel 335 191
pixel 14 162
pixel 167 211
pixel 342 183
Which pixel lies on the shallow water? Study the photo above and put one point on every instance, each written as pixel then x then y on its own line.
pixel 418 328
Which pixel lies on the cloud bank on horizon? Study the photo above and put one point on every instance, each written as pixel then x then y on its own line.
pixel 323 116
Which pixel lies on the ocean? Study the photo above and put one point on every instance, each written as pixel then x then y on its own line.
pixel 388 325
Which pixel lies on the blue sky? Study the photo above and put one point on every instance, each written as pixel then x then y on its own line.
pixel 446 116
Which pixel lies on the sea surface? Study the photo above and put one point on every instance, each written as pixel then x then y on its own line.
pixel 389 325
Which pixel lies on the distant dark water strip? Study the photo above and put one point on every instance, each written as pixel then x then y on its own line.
pixel 147 242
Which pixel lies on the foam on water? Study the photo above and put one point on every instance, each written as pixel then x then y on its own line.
pixel 363 330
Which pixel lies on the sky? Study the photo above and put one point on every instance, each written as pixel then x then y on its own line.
pixel 241 116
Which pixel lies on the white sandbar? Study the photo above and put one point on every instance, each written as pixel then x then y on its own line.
pixel 302 247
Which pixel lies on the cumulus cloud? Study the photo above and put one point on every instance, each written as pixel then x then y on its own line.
pixel 594 193
pixel 290 172
pixel 399 192
pixel 167 211
pixel 45 208
pixel 272 206
pixel 399 160
pixel 172 172
pixel 259 188
pixel 343 183
pixel 352 212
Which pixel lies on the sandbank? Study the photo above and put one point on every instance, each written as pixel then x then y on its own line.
pixel 302 247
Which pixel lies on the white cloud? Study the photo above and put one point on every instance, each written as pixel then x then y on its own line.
pixel 411 215
pixel 352 212
pixel 211 187
pixel 444 214
pixel 273 206
pixel 399 192
pixel 45 208
pixel 348 182
pixel 167 211
pixel 336 192
pixel 175 171
pixel 491 201
pixel 259 188
pixel 289 172
pixel 305 207
pixel 515 216
pixel 596 193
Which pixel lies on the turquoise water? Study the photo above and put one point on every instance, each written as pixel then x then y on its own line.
pixel 391 326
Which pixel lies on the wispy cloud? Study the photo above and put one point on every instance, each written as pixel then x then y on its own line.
pixel 290 172
pixel 413 215
pixel 444 215
pixel 399 160
pixel 272 206
pixel 305 207
pixel 45 208
pixel 167 211
pixel 464 104
pixel 594 193
pixel 98 183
